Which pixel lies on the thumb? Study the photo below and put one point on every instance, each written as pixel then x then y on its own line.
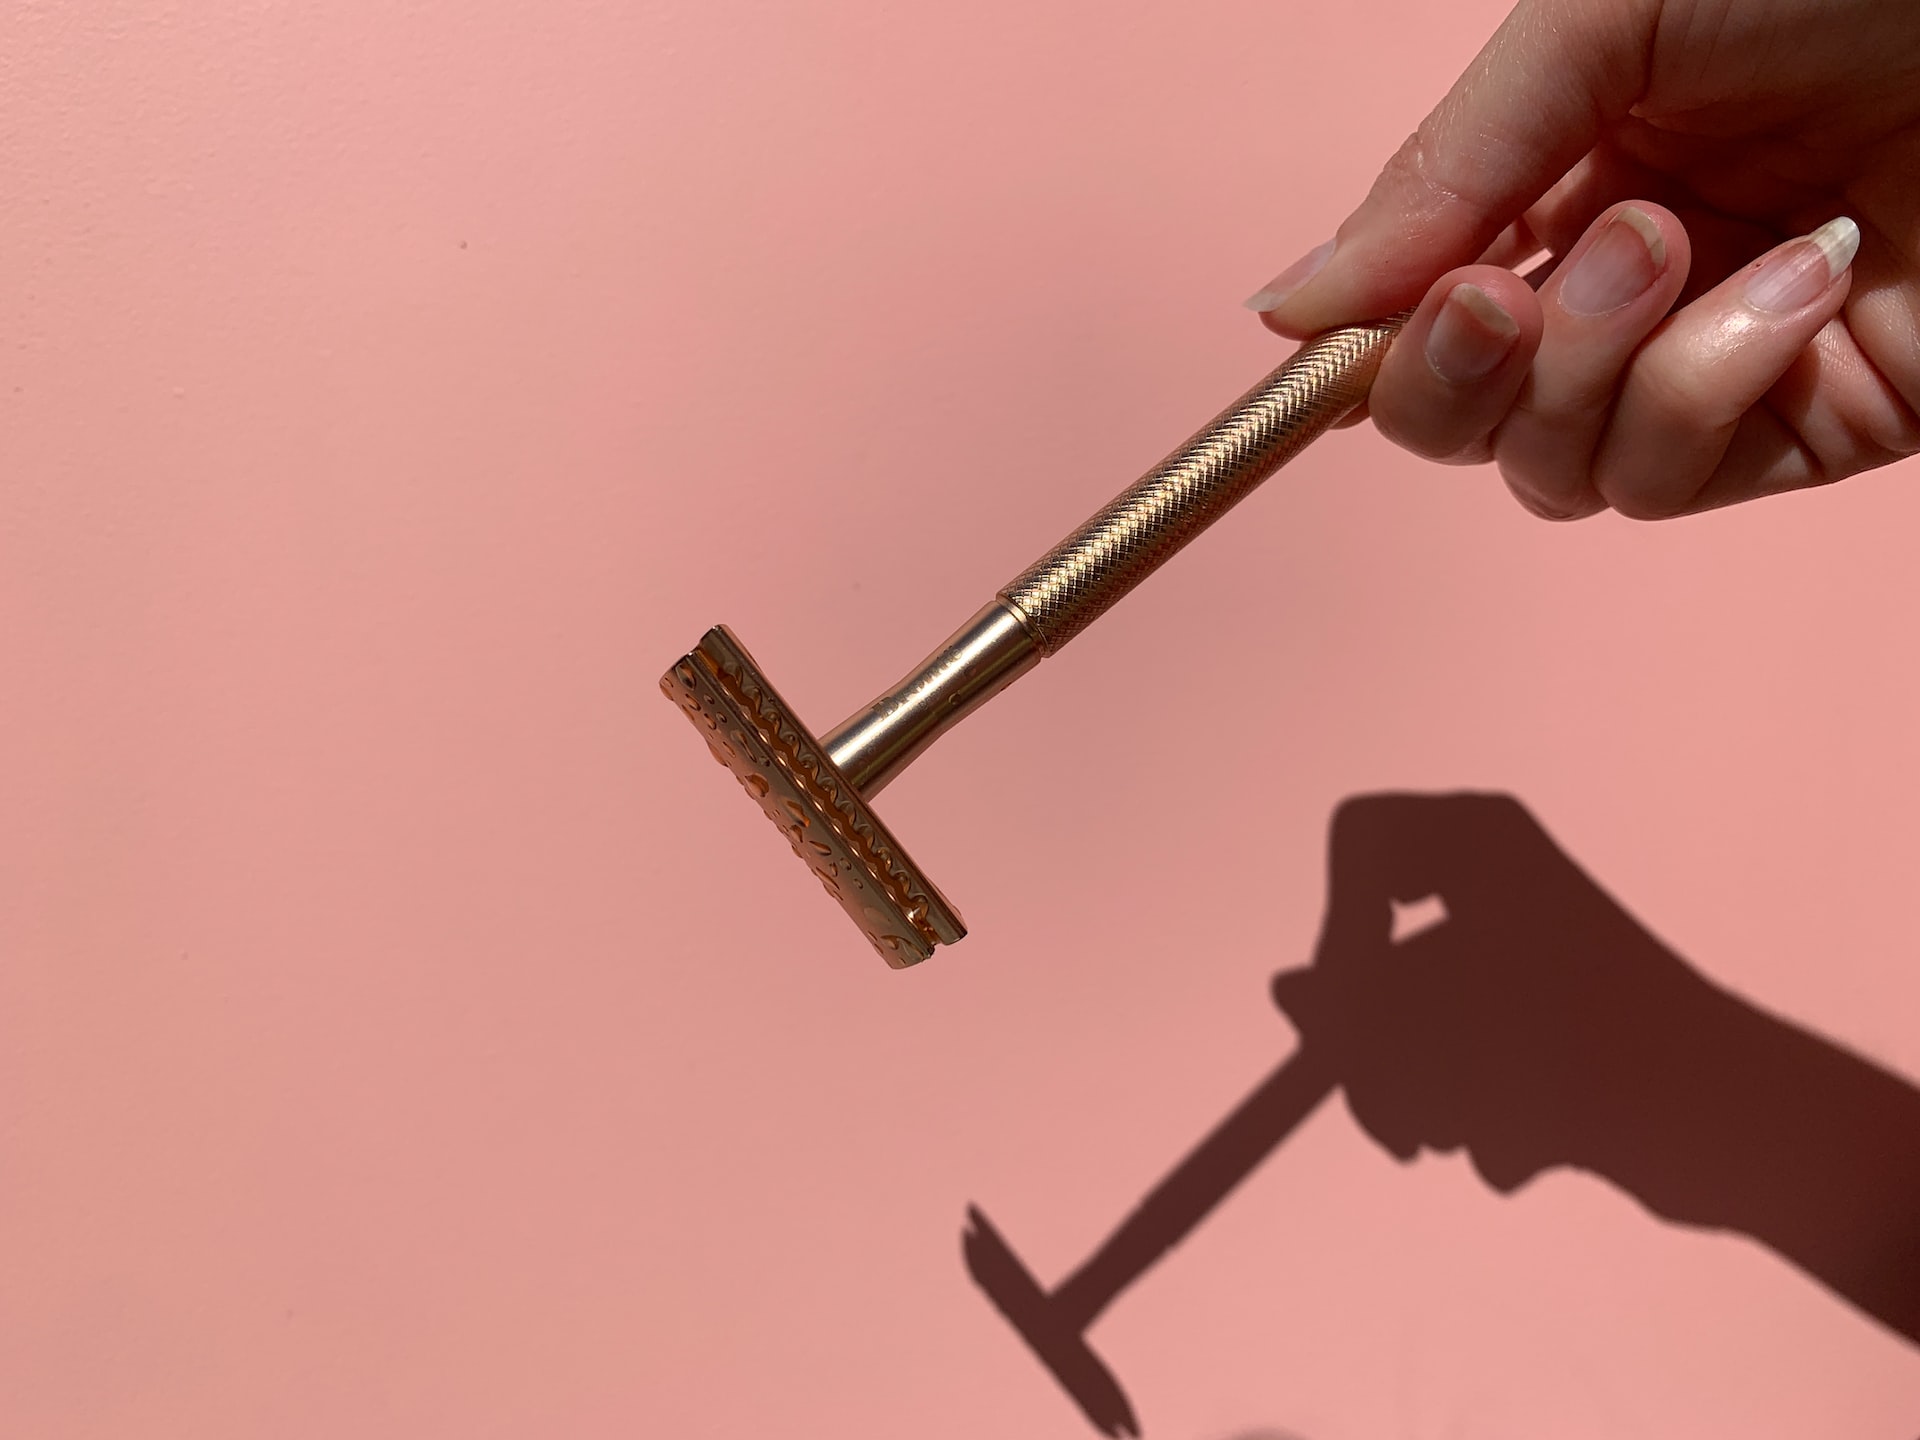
pixel 1534 100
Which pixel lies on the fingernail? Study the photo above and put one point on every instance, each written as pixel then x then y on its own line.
pixel 1470 336
pixel 1799 272
pixel 1619 266
pixel 1291 279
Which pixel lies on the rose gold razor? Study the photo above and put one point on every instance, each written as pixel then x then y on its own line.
pixel 819 791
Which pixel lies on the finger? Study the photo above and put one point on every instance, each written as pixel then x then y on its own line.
pixel 1301 998
pixel 1532 103
pixel 1452 373
pixel 1602 178
pixel 1833 414
pixel 1598 307
pixel 1503 1171
pixel 1606 177
pixel 1882 306
pixel 1721 244
pixel 1388 847
pixel 1516 245
pixel 1691 387
pixel 1374 1103
pixel 1399 1063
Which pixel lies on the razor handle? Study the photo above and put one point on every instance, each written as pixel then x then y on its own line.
pixel 1086 574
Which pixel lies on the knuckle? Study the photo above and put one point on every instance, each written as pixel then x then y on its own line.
pixel 1354 818
pixel 1411 408
pixel 1681 390
pixel 1421 430
pixel 1415 177
pixel 1548 468
pixel 1633 499
pixel 1509 815
pixel 1676 413
pixel 1550 496
pixel 1885 419
pixel 1478 451
pixel 1484 808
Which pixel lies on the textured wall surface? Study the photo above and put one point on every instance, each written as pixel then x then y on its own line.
pixel 406 1030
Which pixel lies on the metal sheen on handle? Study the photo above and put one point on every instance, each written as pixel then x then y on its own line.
pixel 817 791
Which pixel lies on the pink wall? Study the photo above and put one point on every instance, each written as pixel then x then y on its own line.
pixel 406 1031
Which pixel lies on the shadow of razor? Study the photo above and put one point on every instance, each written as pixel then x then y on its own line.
pixel 1054 1323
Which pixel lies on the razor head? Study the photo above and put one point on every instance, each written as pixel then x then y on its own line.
pixel 754 733
pixel 1054 1336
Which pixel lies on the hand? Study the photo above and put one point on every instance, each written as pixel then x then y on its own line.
pixel 1702 172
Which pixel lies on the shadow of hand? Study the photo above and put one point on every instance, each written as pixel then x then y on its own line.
pixel 1539 1025
pixel 1526 1020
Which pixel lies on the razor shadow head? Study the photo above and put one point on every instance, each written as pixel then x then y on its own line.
pixel 756 735
pixel 1054 1334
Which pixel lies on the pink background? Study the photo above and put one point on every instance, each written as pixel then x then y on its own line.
pixel 406 1030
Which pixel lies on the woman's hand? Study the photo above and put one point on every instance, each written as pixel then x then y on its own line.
pixel 1731 192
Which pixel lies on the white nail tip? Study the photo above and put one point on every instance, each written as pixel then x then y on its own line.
pixel 1484 308
pixel 1839 241
pixel 1643 225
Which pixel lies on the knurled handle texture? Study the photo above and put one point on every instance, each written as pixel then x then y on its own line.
pixel 1080 578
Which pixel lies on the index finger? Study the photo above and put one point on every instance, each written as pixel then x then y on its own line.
pixel 1533 102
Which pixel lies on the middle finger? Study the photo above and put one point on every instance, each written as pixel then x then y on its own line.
pixel 1596 309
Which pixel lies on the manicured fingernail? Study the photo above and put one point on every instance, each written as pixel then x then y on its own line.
pixel 1470 336
pixel 1619 266
pixel 1799 272
pixel 1291 279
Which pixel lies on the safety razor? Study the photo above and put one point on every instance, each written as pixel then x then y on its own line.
pixel 819 790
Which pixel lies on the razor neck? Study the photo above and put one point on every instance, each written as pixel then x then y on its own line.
pixel 975 663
